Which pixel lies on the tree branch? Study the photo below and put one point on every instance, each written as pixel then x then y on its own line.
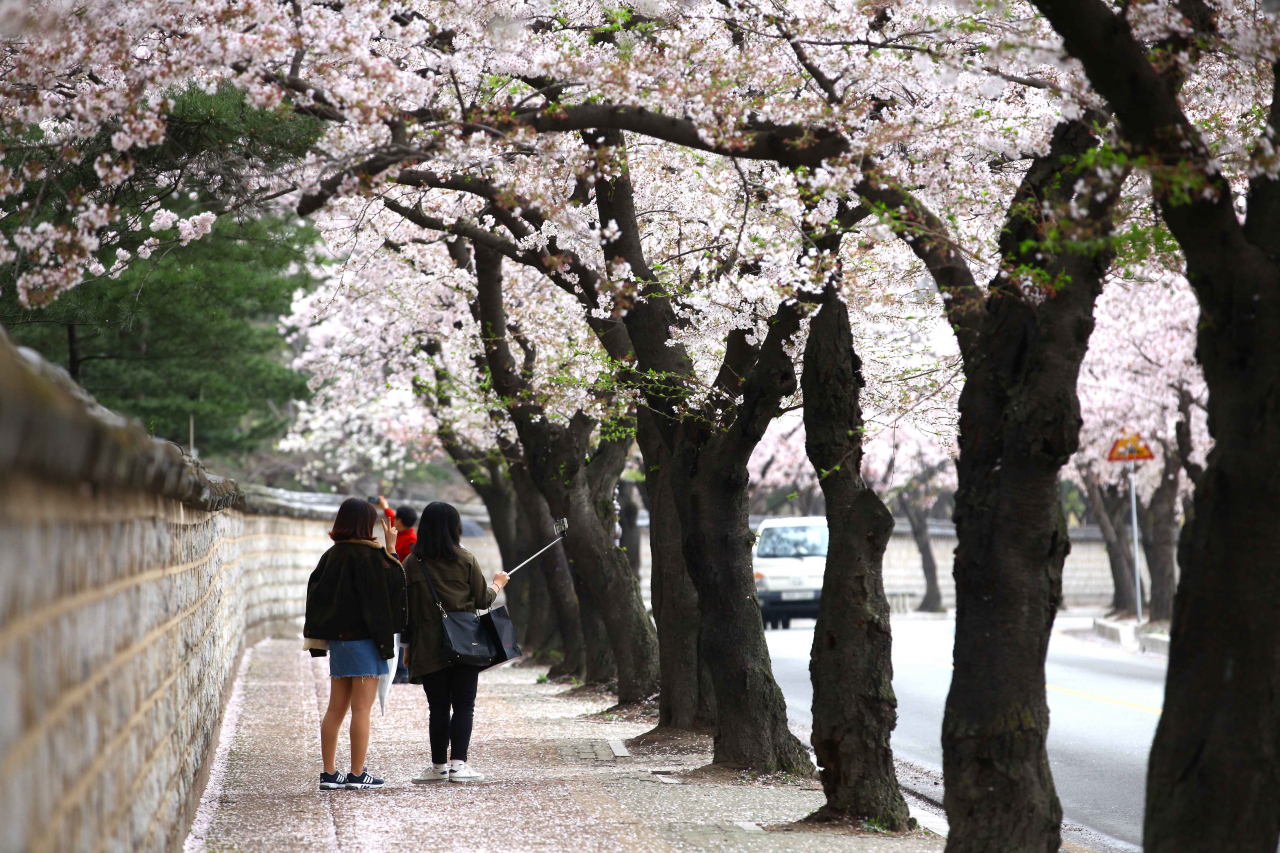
pixel 789 145
pixel 1182 430
pixel 772 378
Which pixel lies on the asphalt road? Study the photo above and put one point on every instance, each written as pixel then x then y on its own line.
pixel 1103 703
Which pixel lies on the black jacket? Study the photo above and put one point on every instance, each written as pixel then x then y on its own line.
pixel 357 592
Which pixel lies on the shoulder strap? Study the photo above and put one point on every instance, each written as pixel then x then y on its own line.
pixel 426 575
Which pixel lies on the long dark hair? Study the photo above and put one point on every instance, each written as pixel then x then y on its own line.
pixel 356 519
pixel 439 532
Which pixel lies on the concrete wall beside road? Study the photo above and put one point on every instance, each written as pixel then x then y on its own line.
pixel 1086 577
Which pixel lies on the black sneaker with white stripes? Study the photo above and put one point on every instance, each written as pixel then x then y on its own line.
pixel 330 781
pixel 364 780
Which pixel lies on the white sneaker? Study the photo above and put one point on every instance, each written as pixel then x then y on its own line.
pixel 432 773
pixel 460 772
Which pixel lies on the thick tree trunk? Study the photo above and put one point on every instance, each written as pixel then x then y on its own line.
pixel 628 515
pixel 1158 519
pixel 1008 570
pixel 536 631
pixel 1119 553
pixel 599 664
pixel 553 566
pixel 613 589
pixel 1019 424
pixel 932 602
pixel 681 701
pixel 709 485
pixel 854 707
pixel 1213 782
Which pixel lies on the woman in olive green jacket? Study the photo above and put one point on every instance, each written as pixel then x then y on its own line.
pixel 450 687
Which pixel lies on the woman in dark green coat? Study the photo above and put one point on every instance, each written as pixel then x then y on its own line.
pixel 450 687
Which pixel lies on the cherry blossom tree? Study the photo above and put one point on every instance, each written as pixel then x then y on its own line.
pixel 93 126
pixel 1141 376
pixel 914 139
pixel 1209 770
pixel 780 471
pixel 375 354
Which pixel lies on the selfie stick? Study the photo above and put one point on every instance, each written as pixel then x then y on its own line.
pixel 562 526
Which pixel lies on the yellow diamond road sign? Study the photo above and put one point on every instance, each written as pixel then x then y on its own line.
pixel 1130 448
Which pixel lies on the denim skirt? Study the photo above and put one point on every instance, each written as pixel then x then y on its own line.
pixel 354 659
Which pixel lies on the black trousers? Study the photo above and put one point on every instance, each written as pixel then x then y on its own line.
pixel 452 689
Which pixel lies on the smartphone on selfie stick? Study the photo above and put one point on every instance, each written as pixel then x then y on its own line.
pixel 562 527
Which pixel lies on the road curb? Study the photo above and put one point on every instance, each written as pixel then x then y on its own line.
pixel 1117 632
pixel 1157 644
pixel 1127 636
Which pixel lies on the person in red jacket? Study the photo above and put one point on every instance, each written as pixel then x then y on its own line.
pixel 405 520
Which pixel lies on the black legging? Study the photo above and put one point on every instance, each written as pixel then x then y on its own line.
pixel 455 687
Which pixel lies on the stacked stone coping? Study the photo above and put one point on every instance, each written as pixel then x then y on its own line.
pixel 129 581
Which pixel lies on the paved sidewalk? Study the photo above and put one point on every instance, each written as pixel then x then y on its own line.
pixel 553 782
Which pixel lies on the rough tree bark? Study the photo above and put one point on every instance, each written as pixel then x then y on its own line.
pixel 1119 552
pixel 1019 423
pixel 1158 521
pixel 854 707
pixel 682 702
pixel 538 634
pixel 628 514
pixel 1213 781
pixel 919 522
pixel 576 488
pixel 709 481
pixel 600 666
pixel 552 566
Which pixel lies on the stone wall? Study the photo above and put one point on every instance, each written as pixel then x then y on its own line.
pixel 123 617
pixel 1086 576
pixel 129 583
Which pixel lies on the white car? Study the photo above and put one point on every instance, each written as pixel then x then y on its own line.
pixel 790 556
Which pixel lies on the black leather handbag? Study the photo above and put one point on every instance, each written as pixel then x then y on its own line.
pixel 498 621
pixel 466 638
